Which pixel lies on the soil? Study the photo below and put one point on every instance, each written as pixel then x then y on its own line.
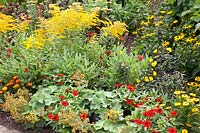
pixel 13 127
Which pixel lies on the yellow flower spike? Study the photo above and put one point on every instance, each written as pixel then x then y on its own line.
pixel 5 88
pixel 155 51
pixel 177 92
pixel 169 50
pixel 151 78
pixel 192 94
pixel 177 104
pixel 184 131
pixel 195 110
pixel 154 73
pixel 154 63
pixel 186 103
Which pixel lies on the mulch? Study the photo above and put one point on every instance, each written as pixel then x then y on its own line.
pixel 6 121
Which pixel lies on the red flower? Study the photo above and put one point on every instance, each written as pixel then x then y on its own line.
pixel 145 99
pixel 137 105
pixel 130 87
pixel 140 57
pixel 60 83
pixel 108 52
pixel 62 97
pixel 121 38
pixel 26 69
pixel 65 103
pixel 167 117
pixel 90 33
pixel 55 118
pixel 147 123
pixel 118 85
pixel 171 130
pixel 137 121
pixel 149 113
pixel 129 101
pixel 159 99
pixel 50 116
pixel 9 50
pixel 154 131
pixel 60 75
pixel 174 113
pixel 158 110
pixel 8 55
pixel 83 116
pixel 75 93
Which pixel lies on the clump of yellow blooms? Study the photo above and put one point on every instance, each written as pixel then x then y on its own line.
pixel 116 29
pixel 112 114
pixel 75 18
pixel 7 23
pixel 20 99
pixel 72 119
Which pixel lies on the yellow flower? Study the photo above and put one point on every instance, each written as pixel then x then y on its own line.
pixel 186 103
pixel 187 26
pixel 154 73
pixel 189 40
pixel 150 60
pixel 165 43
pixel 135 33
pixel 195 110
pixel 163 12
pixel 192 94
pixel 175 21
pixel 146 79
pixel 151 17
pixel 121 52
pixel 138 81
pixel 177 104
pixel 169 107
pixel 177 92
pixel 158 23
pixel 170 12
pixel 151 78
pixel 5 88
pixel 162 105
pixel 155 51
pixel 185 96
pixel 195 99
pixel 184 131
pixel 197 79
pixel 154 63
pixel 188 125
pixel 169 50
pixel 116 29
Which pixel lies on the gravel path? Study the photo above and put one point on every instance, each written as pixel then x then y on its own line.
pixel 4 129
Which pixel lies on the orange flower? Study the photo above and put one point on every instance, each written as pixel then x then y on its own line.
pixel 15 77
pixel 16 86
pixel 30 84
pixel 17 81
pixel 1 92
